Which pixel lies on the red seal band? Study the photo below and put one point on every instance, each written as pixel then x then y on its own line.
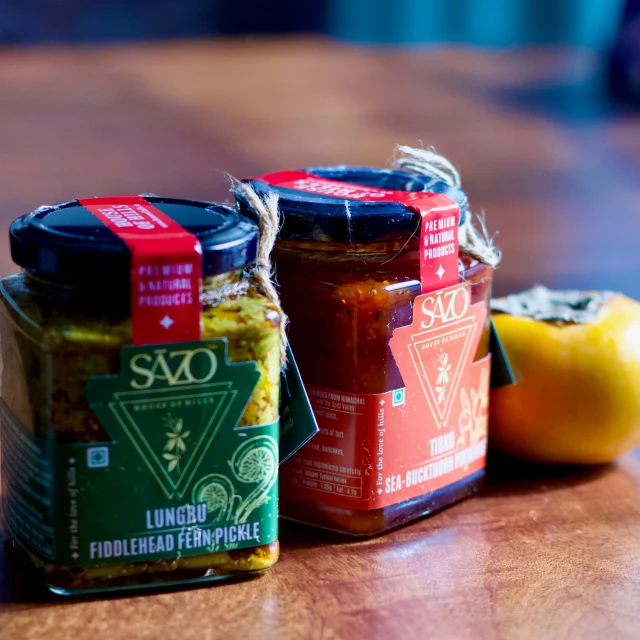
pixel 166 269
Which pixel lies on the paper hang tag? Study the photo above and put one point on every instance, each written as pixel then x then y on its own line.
pixel 501 372
pixel 297 422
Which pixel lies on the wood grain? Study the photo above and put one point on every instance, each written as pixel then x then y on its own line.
pixel 541 554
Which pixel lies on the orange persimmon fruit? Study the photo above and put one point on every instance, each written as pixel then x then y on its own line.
pixel 576 360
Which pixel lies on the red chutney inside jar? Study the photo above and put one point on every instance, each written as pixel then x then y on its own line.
pixel 393 350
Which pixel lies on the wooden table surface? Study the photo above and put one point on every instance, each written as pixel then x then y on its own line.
pixel 542 554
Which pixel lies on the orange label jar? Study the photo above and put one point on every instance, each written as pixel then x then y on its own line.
pixel 389 324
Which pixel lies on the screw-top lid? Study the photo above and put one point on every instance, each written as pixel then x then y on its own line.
pixel 69 244
pixel 321 218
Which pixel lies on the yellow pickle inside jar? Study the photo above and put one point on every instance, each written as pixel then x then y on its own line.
pixel 126 466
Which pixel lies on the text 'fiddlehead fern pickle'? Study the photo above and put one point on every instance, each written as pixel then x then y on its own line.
pixel 130 465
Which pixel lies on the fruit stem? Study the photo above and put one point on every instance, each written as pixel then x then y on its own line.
pixel 540 303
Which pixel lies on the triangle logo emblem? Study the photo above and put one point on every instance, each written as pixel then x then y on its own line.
pixel 172 444
pixel 439 358
pixel 163 418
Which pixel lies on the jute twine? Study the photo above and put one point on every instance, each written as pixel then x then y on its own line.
pixel 261 274
pixel 474 238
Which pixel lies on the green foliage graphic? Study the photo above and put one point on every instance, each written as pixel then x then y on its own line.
pixel 253 462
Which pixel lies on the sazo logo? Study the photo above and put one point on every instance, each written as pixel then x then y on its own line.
pixel 174 368
pixel 444 306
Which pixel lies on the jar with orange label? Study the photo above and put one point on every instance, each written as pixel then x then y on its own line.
pixel 393 348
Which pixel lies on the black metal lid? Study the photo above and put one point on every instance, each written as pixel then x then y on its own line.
pixel 68 243
pixel 309 216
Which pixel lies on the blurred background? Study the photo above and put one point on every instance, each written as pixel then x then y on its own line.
pixel 588 23
pixel 536 102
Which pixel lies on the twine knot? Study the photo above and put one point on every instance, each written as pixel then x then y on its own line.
pixel 474 240
pixel 261 274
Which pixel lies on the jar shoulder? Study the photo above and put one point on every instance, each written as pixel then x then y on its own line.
pixel 59 322
pixel 19 304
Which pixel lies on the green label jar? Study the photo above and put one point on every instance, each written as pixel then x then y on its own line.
pixel 128 463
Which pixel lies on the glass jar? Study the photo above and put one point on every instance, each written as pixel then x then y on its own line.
pixel 347 283
pixel 64 322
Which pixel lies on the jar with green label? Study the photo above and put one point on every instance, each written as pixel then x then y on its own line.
pixel 127 464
